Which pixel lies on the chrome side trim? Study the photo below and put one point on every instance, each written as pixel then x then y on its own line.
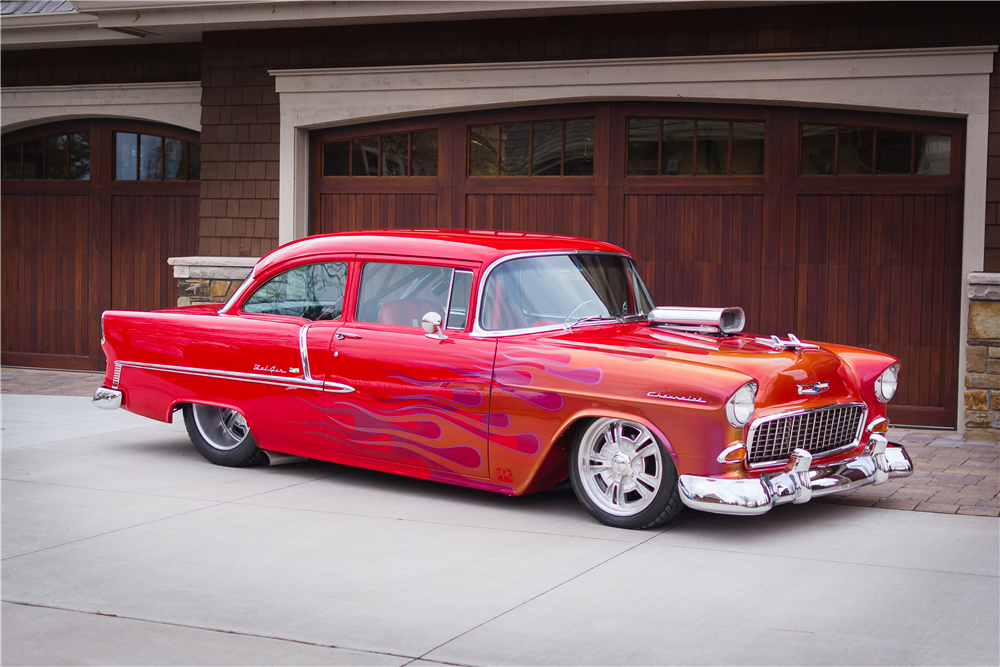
pixel 755 426
pixel 304 350
pixel 797 483
pixel 107 399
pixel 317 385
pixel 117 377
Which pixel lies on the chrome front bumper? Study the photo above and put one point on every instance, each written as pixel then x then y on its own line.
pixel 107 399
pixel 797 483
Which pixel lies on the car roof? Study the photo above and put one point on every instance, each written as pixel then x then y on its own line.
pixel 479 245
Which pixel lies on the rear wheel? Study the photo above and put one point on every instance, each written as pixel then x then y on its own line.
pixel 623 475
pixel 222 436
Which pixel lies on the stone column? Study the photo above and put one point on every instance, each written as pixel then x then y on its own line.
pixel 209 279
pixel 982 355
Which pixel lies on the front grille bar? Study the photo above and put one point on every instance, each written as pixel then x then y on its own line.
pixel 818 431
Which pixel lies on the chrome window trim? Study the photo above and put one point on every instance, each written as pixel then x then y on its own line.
pixel 451 295
pixel 755 425
pixel 317 385
pixel 239 291
pixel 479 332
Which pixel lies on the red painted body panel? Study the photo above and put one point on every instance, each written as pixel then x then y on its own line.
pixel 492 412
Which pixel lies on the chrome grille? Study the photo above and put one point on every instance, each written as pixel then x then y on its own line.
pixel 818 431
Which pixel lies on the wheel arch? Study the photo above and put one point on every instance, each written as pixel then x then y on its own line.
pixel 554 465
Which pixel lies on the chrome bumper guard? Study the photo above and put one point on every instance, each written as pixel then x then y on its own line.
pixel 107 399
pixel 797 483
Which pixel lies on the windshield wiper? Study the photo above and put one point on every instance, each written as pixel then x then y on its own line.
pixel 593 318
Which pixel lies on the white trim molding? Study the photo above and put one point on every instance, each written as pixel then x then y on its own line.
pixel 174 103
pixel 950 81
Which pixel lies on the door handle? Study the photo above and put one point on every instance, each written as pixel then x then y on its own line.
pixel 342 336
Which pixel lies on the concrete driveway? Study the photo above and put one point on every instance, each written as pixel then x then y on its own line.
pixel 121 545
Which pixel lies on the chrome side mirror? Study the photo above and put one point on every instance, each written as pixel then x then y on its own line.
pixel 432 326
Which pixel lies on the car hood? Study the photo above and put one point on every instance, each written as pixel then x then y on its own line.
pixel 779 373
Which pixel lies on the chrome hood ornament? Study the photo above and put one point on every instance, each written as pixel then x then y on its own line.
pixel 792 342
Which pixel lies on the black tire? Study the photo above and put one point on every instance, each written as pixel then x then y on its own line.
pixel 623 475
pixel 222 436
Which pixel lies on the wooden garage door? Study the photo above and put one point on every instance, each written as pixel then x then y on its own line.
pixel 833 225
pixel 91 210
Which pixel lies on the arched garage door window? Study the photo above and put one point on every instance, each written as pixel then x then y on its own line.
pixel 76 240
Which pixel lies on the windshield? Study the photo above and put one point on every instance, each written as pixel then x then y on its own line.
pixel 562 290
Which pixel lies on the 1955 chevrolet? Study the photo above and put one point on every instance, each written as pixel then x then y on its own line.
pixel 508 362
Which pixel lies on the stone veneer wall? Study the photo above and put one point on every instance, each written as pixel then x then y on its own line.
pixel 209 279
pixel 982 383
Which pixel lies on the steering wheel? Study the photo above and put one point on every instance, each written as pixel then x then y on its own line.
pixel 572 312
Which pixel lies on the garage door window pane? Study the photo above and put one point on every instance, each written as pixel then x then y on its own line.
pixel 748 149
pixel 194 162
pixel 643 146
pixel 173 160
pixel 79 156
pixel 336 158
pixel 424 153
pixel 126 152
pixel 546 147
pixel 151 158
pixel 678 147
pixel 854 151
pixel 314 292
pixel 514 148
pixel 483 150
pixel 366 156
pixel 401 294
pixel 713 147
pixel 579 148
pixel 55 157
pixel 932 154
pixel 34 158
pixel 395 154
pixel 892 152
pixel 12 161
pixel 818 146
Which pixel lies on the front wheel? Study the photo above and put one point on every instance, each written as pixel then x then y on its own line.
pixel 222 436
pixel 623 475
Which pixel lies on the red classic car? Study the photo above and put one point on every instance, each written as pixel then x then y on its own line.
pixel 509 362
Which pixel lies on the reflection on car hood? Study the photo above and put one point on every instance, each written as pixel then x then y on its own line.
pixel 777 372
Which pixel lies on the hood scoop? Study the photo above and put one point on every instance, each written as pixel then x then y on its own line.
pixel 699 320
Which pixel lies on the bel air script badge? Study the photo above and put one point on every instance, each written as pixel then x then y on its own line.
pixel 671 397
pixel 268 369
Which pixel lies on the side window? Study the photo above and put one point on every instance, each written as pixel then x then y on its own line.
pixel 458 305
pixel 401 294
pixel 314 291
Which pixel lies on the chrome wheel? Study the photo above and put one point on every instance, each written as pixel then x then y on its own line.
pixel 620 466
pixel 223 429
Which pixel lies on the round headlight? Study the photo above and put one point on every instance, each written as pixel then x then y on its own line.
pixel 740 407
pixel 885 385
